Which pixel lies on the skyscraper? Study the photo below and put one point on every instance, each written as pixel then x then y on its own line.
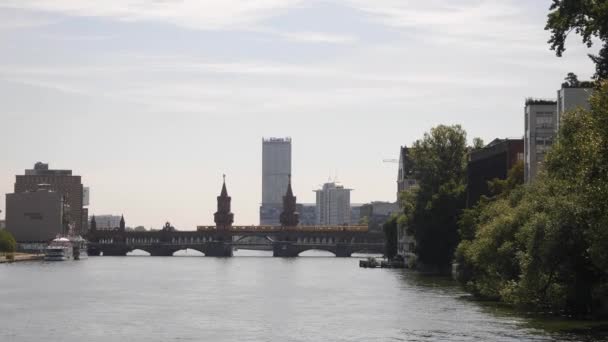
pixel 276 168
pixel 333 205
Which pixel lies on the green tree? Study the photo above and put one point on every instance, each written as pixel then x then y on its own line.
pixel 586 18
pixel 439 160
pixel 390 233
pixel 545 245
pixel 7 242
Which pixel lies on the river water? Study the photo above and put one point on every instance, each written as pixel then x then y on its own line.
pixel 253 298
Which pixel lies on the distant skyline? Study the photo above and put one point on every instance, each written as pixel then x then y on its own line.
pixel 152 101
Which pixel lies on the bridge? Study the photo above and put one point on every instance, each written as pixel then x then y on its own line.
pixel 211 241
pixel 287 240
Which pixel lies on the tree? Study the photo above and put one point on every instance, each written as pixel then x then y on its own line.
pixel 478 143
pixel 439 160
pixel 7 242
pixel 586 18
pixel 545 245
pixel 390 233
pixel 571 80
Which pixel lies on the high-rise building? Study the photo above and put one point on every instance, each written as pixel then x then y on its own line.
pixel 61 181
pixel 572 97
pixel 333 205
pixel 276 169
pixel 540 128
pixel 36 216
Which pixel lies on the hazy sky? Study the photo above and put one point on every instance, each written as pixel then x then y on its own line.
pixel 152 100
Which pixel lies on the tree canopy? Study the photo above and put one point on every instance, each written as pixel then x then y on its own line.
pixel 439 164
pixel 545 245
pixel 586 18
pixel 7 242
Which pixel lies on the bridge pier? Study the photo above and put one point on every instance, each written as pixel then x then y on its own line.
pixel 343 251
pixel 218 249
pixel 284 250
pixel 161 251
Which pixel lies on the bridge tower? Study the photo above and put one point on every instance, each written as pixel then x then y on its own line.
pixel 93 225
pixel 122 223
pixel 289 217
pixel 223 217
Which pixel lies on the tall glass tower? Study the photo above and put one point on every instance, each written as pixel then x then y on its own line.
pixel 276 168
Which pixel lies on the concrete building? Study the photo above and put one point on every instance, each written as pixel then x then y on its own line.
pixel 491 162
pixel 377 213
pixel 276 169
pixel 106 222
pixel 570 98
pixel 405 175
pixel 62 182
pixel 2 224
pixel 333 205
pixel 35 216
pixel 540 130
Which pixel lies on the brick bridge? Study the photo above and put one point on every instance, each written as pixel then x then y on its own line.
pixel 287 240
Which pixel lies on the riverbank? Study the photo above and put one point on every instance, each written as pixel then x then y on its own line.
pixel 21 257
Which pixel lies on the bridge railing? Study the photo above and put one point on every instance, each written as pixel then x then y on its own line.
pixel 245 229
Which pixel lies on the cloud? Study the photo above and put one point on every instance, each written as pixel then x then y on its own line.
pixel 195 14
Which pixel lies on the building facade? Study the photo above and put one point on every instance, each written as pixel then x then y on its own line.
pixel 35 216
pixel 377 213
pixel 491 162
pixel 106 222
pixel 405 174
pixel 333 205
pixel 276 169
pixel 62 182
pixel 570 98
pixel 308 214
pixel 540 131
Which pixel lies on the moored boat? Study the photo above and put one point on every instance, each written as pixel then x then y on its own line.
pixel 59 249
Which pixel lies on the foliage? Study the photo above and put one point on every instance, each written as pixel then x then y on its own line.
pixel 439 165
pixel 478 143
pixel 546 245
pixel 390 232
pixel 7 242
pixel 586 18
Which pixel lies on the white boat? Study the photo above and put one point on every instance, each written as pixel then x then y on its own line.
pixel 59 249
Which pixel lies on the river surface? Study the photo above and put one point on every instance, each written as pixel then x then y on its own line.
pixel 138 298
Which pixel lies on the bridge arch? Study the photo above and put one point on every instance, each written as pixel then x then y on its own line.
pixel 188 252
pixel 139 252
pixel 319 250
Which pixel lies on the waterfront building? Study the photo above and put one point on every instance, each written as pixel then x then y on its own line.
pixel 36 216
pixel 333 205
pixel 405 174
pixel 540 131
pixel 61 181
pixel 491 162
pixel 570 97
pixel 107 222
pixel 377 213
pixel 276 168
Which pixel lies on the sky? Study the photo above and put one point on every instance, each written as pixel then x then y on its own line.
pixel 151 101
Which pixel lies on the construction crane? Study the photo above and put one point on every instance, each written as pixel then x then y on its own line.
pixel 390 160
